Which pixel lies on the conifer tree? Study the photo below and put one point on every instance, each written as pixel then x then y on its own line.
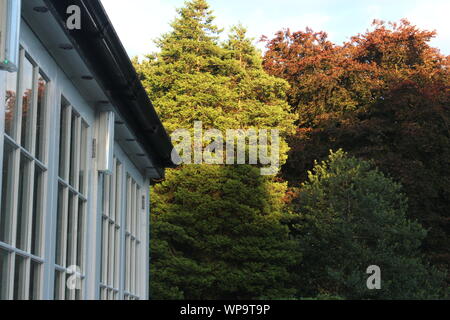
pixel 216 230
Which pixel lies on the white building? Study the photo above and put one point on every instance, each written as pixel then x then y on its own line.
pixel 80 144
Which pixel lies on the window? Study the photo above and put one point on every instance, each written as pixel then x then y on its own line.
pixel 111 202
pixel 132 240
pixel 23 182
pixel 72 203
pixel 9 34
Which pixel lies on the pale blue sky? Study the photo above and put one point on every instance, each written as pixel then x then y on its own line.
pixel 139 21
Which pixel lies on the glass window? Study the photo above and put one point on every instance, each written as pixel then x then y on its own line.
pixel 35 278
pixel 4 274
pixel 41 114
pixel 59 285
pixel 10 102
pixel 19 278
pixel 38 197
pixel 23 182
pixel 23 203
pixel 27 103
pixel 72 201
pixel 132 239
pixel 111 232
pixel 7 193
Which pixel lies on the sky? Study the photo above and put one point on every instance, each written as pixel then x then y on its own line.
pixel 139 22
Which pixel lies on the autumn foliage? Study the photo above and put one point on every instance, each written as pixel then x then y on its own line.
pixel 384 95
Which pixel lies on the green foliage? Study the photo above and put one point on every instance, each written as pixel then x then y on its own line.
pixel 195 78
pixel 349 217
pixel 221 232
pixel 216 234
pixel 216 231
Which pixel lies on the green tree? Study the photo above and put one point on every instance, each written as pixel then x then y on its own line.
pixel 195 78
pixel 350 216
pixel 216 234
pixel 216 230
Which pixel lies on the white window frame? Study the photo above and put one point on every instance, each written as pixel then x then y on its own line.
pixel 111 244
pixel 59 84
pixel 73 192
pixel 19 152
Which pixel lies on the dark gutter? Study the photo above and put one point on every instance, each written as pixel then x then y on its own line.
pixel 102 51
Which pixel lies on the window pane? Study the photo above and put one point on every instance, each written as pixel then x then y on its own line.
pixel 40 125
pixel 105 264
pixel 63 139
pixel 111 256
pixel 27 100
pixel 4 267
pixel 103 294
pixel 36 235
pixel 117 258
pixel 35 280
pixel 59 285
pixel 7 193
pixel 60 226
pixel 22 214
pixel 73 155
pixel 79 291
pixel 80 234
pixel 83 158
pixel 127 262
pixel 10 102
pixel 19 278
pixel 70 231
pixel 118 195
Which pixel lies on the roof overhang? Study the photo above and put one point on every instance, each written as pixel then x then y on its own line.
pixel 102 52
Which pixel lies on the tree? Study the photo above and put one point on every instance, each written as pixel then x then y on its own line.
pixel 216 234
pixel 194 78
pixel 384 95
pixel 350 216
pixel 215 230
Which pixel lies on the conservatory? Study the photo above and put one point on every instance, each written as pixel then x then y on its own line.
pixel 80 145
